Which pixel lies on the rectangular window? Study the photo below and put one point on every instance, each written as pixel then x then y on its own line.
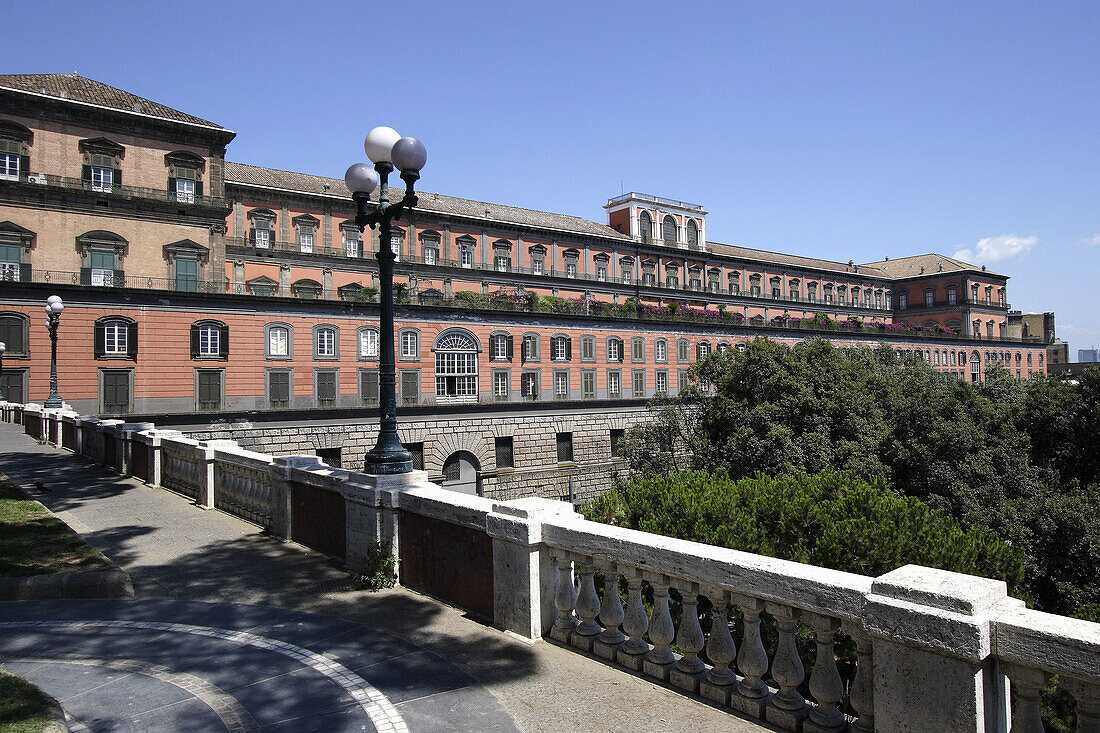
pixel 114 338
pixel 431 254
pixel 103 269
pixel 588 348
pixel 185 191
pixel 10 259
pixel 116 391
pixel 638 378
pixel 616 442
pixel 530 348
pixel 536 266
pixel 683 351
pixel 682 380
pixel 410 345
pixel 637 349
pixel 278 342
pixel 588 385
pixel 263 239
pixel 326 342
pixel 209 341
pixel 416 450
pixel 278 389
pixel 571 268
pixel 558 346
pixel 614 350
pixel 498 348
pixel 614 385
pixel 187 275
pixel 353 246
pixel 368 344
pixel 325 384
pixel 305 241
pixel 929 299
pixel 529 385
pixel 410 387
pixel 502 262
pixel 565 447
pixel 368 386
pixel 501 387
pixel 660 385
pixel 102 178
pixel 561 385
pixel 601 273
pixel 209 389
pixel 503 449
pixel 660 350
pixel 466 255
pixel 11 383
pixel 9 166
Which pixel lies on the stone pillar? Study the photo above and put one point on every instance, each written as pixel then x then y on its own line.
pixel 127 434
pixel 373 506
pixel 238 277
pixel 209 450
pixel 284 280
pixel 327 291
pixel 933 669
pixel 282 521
pixel 523 575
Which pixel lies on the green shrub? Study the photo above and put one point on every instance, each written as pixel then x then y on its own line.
pixel 378 569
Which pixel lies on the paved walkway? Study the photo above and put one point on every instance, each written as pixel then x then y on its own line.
pixel 235 630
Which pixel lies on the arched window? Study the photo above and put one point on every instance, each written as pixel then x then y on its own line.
pixel 14 333
pixel 115 338
pixel 209 340
pixel 645 226
pixel 466 245
pixel 692 234
pixel 456 366
pixel 326 342
pixel 669 230
pixel 279 341
pixel 368 342
pixel 306 289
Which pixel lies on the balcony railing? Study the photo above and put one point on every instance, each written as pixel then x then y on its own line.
pixel 959 302
pixel 124 191
pixel 631 311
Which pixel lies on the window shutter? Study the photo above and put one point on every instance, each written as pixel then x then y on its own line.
pixel 198 190
pixel 223 342
pixel 171 188
pixel 119 279
pixel 252 235
pixel 194 341
pixel 24 166
pixel 98 339
pixel 698 352
pixel 116 178
pixel 132 340
pixel 85 276
pixel 86 174
pixel 509 337
pixel 25 272
pixel 524 347
pixel 569 349
pixel 622 351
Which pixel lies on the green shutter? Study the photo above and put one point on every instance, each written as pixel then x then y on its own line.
pixel 132 340
pixel 25 272
pixel 223 342
pixel 198 190
pixel 119 279
pixel 85 276
pixel 98 340
pixel 171 188
pixel 116 178
pixel 509 337
pixel 24 166
pixel 569 348
pixel 194 341
pixel 86 175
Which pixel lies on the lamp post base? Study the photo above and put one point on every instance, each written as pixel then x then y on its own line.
pixel 52 402
pixel 385 462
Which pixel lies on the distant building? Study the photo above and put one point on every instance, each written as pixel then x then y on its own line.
pixel 1086 356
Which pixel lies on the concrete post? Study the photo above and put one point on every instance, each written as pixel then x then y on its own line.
pixel 126 436
pixel 373 510
pixel 104 427
pixel 282 521
pixel 933 669
pixel 523 574
pixel 209 449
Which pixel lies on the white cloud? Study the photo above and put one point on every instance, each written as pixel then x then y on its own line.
pixel 991 249
pixel 1094 240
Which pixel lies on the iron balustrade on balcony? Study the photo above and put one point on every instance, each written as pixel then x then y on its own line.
pixel 139 282
pixel 125 191
pixel 923 305
pixel 654 199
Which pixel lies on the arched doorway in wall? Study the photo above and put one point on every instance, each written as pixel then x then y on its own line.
pixel 462 473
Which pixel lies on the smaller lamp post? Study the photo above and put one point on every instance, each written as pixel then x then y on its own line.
pixel 54 306
pixel 387 150
pixel 3 350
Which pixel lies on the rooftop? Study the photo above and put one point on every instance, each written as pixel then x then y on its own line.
pixel 924 265
pixel 252 175
pixel 89 91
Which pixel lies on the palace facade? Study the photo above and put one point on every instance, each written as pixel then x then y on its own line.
pixel 197 285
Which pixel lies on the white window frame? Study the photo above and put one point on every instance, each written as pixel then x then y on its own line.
pixel 209 341
pixel 115 338
pixel 185 190
pixel 263 238
pixel 9 162
pixel 102 178
pixel 278 341
pixel 368 344
pixel 614 384
pixel 410 345
pixel 325 342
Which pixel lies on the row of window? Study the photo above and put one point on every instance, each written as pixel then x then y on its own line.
pixel 101 158
pixel 953 297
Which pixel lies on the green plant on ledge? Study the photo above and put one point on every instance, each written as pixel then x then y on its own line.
pixel 378 568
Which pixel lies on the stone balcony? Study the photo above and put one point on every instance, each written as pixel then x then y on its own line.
pixel 916 649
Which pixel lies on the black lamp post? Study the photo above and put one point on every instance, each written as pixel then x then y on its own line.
pixel 3 350
pixel 54 306
pixel 387 150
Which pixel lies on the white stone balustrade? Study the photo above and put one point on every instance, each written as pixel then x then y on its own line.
pixel 935 651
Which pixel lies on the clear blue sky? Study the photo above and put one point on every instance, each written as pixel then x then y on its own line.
pixel 839 130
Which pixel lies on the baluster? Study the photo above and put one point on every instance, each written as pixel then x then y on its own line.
pixel 752 694
pixel 720 648
pixel 635 624
pixel 788 708
pixel 689 637
pixel 587 607
pixel 611 615
pixel 862 695
pixel 565 599
pixel 825 683
pixel 1087 694
pixel 661 632
pixel 1027 686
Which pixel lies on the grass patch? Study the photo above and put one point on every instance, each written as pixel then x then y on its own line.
pixel 22 705
pixel 34 542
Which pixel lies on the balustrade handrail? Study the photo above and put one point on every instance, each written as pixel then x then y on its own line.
pixel 124 190
pixel 824 591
